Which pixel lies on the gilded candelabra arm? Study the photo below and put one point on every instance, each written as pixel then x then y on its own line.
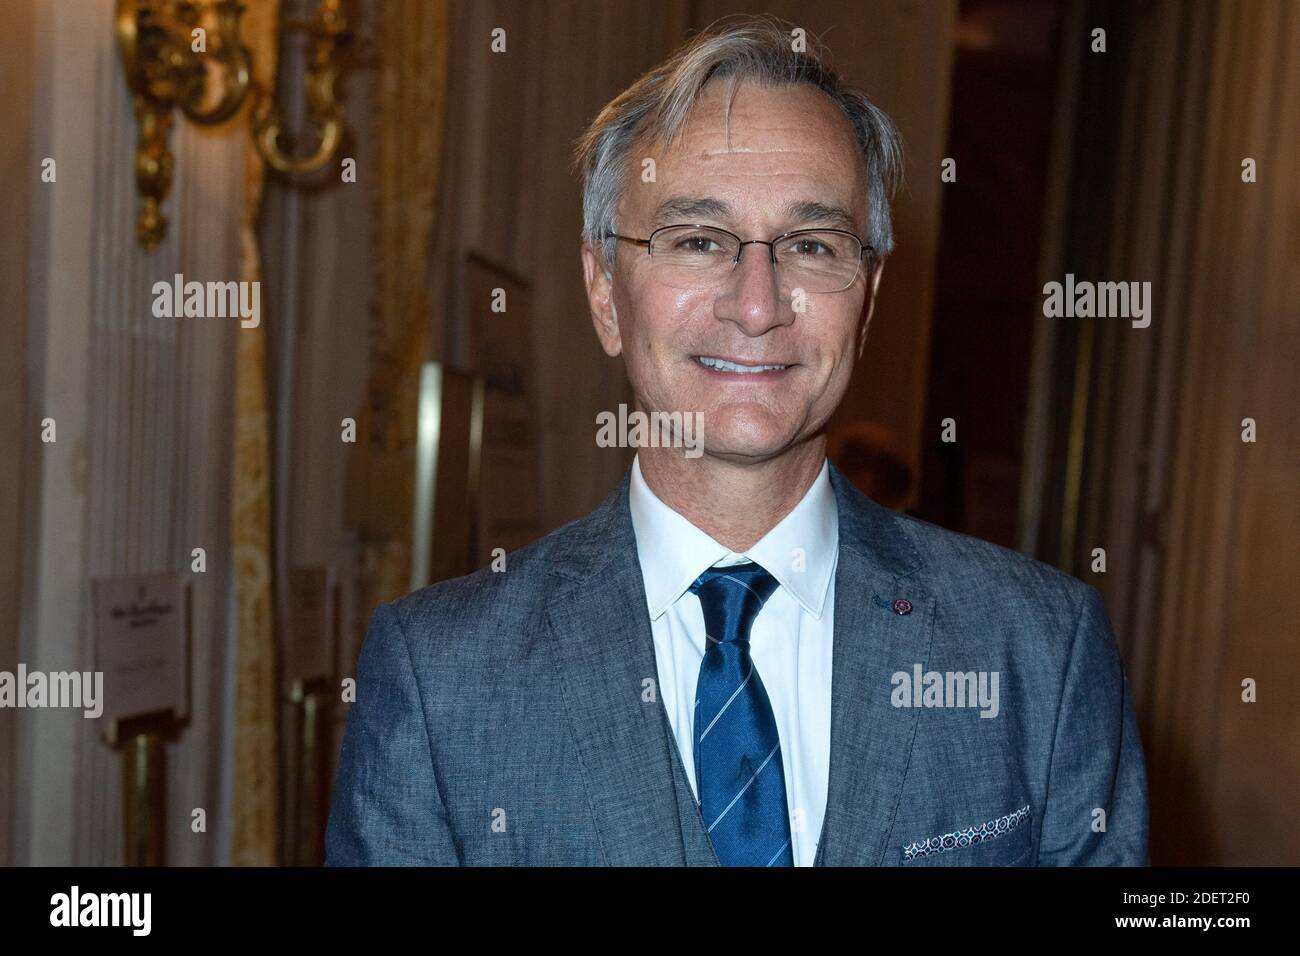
pixel 157 61
pixel 153 171
pixel 328 30
pixel 169 63
pixel 232 59
pixel 163 44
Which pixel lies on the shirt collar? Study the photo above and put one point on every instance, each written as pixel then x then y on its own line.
pixel 800 551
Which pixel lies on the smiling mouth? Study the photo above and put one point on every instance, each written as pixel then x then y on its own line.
pixel 724 365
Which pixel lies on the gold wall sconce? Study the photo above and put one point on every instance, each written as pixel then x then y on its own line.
pixel 187 54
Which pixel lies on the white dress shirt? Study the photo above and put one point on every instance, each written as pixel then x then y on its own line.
pixel 790 642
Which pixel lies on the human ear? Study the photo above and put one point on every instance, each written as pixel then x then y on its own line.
pixel 599 279
pixel 869 306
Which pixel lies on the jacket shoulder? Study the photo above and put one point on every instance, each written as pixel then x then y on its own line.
pixel 1007 584
pixel 508 590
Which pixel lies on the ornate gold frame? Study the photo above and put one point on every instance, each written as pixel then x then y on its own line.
pixel 167 64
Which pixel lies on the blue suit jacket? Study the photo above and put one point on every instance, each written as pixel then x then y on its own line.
pixel 510 717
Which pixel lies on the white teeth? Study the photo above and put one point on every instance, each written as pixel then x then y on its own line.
pixel 723 365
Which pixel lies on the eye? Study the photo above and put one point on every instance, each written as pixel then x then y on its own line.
pixel 809 247
pixel 696 242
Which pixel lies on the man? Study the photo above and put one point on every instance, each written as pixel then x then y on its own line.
pixel 737 658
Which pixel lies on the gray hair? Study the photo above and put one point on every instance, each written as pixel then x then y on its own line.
pixel 654 109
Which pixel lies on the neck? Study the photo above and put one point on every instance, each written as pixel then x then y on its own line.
pixel 734 504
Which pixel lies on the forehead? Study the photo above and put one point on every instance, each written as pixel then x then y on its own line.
pixel 785 153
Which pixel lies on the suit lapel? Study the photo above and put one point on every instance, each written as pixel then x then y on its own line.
pixel 597 621
pixel 599 625
pixel 871 740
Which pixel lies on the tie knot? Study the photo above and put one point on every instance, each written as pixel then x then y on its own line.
pixel 731 598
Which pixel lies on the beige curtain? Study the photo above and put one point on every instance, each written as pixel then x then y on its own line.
pixel 255 831
pixel 1226 772
pixel 1135 439
pixel 410 105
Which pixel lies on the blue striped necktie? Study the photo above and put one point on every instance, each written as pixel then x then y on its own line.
pixel 738 766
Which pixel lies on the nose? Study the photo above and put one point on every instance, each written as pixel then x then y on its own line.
pixel 751 296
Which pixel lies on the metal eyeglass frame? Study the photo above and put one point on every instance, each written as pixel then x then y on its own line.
pixel 771 244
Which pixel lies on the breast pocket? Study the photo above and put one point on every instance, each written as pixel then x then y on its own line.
pixel 1004 840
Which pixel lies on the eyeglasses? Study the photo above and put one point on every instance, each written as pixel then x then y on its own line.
pixel 699 257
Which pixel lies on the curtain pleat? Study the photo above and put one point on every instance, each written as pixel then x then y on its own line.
pixel 407 133
pixel 256 770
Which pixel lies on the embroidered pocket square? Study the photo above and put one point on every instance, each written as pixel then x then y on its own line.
pixel 968 836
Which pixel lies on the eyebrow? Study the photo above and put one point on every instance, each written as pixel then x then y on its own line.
pixel 689 209
pixel 821 214
pixel 802 212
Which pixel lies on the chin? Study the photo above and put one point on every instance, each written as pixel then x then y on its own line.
pixel 746 441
